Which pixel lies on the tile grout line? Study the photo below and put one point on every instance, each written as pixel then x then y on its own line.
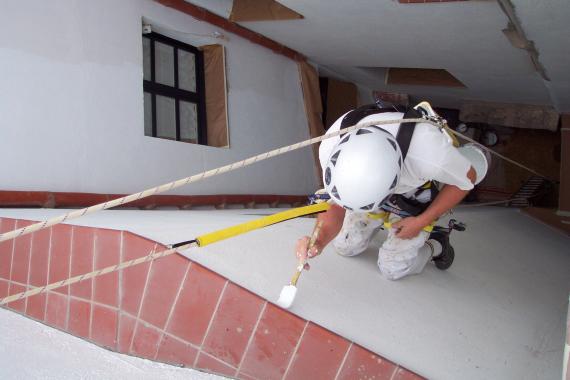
pixel 48 268
pixel 295 351
pixel 250 340
pixel 138 319
pixel 28 284
pixel 171 312
pixel 213 358
pixel 343 360
pixel 395 371
pixel 12 259
pixel 211 321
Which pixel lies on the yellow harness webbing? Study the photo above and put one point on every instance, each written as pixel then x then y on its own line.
pixel 242 228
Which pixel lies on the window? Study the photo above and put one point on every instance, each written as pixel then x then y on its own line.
pixel 174 94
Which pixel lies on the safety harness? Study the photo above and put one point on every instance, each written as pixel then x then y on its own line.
pixel 403 206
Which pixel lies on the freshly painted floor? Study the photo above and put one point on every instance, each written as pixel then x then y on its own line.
pixel 498 313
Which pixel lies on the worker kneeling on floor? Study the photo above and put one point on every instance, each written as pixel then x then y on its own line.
pixel 402 177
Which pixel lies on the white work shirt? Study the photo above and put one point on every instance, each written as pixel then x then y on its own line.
pixel 431 155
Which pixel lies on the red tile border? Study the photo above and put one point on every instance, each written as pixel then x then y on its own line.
pixel 198 298
pixel 214 324
pixel 79 318
pixel 66 200
pixel 134 279
pixel 317 342
pixel 6 248
pixel 82 245
pixel 57 310
pixel 40 257
pixel 145 341
pixel 176 352
pixel 107 252
pixel 21 255
pixel 125 332
pixel 273 344
pixel 60 255
pixel 104 326
pixel 4 285
pixel 211 364
pixel 164 282
pixel 19 305
pixel 233 324
pixel 36 307
pixel 363 364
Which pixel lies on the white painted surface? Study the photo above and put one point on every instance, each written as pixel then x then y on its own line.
pixel 498 313
pixel 31 350
pixel 71 105
pixel 464 38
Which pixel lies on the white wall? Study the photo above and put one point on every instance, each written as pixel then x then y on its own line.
pixel 71 104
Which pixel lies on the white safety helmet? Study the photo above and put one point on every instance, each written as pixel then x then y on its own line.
pixel 363 169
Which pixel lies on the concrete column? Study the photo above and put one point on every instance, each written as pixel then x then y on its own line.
pixel 564 198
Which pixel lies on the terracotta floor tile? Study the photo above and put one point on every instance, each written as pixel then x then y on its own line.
pixel 60 255
pixel 107 253
pixel 145 341
pixel 361 363
pixel 40 257
pixel 36 306
pixel 104 326
pixel 196 303
pixel 19 305
pixel 6 248
pixel 82 260
pixel 134 278
pixel 3 288
pixel 126 330
pixel 176 352
pixel 56 310
pixel 404 374
pixel 21 257
pixel 322 344
pixel 162 287
pixel 273 344
pixel 79 318
pixel 210 364
pixel 233 324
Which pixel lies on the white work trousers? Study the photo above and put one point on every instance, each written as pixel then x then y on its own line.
pixel 397 257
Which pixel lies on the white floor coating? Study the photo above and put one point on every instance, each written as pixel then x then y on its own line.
pixel 31 350
pixel 498 313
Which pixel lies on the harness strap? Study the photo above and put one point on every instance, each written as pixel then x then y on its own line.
pixel 354 116
pixel 406 131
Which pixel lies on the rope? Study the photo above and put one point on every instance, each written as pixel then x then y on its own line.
pixel 126 264
pixel 192 179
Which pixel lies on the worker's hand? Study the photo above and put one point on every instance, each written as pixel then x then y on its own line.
pixel 302 251
pixel 408 228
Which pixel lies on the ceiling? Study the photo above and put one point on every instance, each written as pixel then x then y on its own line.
pixel 357 40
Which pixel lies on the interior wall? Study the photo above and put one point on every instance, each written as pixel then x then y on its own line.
pixel 72 104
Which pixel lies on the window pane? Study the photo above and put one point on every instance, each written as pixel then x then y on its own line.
pixel 164 64
pixel 146 58
pixel 188 122
pixel 186 71
pixel 165 117
pixel 147 114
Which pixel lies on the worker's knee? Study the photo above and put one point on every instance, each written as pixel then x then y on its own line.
pixel 397 264
pixel 345 246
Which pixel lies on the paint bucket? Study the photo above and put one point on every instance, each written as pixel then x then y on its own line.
pixel 479 158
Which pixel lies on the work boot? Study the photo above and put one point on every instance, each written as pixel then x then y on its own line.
pixel 444 260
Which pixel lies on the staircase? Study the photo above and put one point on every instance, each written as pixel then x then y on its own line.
pixel 533 187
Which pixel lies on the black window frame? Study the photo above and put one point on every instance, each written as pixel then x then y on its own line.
pixel 198 97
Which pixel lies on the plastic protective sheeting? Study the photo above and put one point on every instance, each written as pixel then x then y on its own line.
pixel 261 10
pixel 216 95
pixel 313 108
